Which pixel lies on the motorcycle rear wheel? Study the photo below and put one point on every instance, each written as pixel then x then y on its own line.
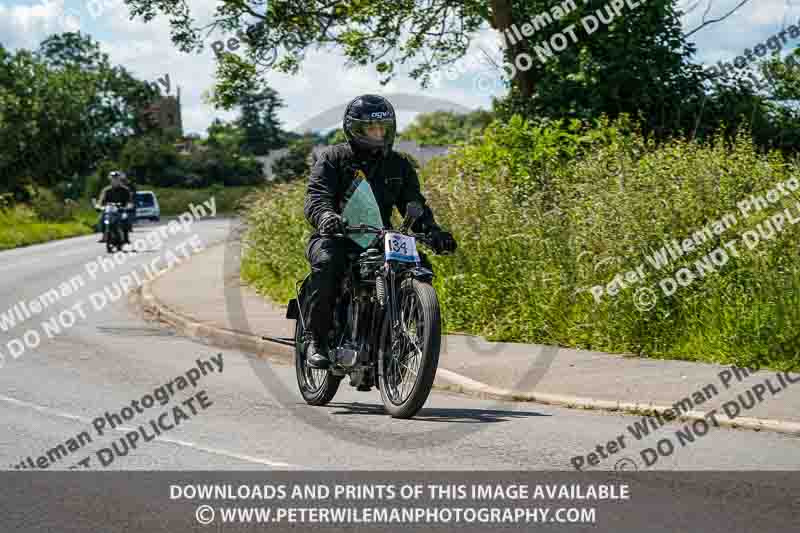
pixel 318 387
pixel 407 367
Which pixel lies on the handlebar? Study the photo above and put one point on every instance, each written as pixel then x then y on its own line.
pixel 365 228
pixel 124 207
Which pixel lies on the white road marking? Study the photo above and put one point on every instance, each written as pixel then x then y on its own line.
pixel 124 429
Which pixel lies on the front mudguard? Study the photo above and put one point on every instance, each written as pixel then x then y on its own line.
pixel 418 273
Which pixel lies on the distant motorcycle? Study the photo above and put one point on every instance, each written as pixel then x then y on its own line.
pixel 387 325
pixel 115 220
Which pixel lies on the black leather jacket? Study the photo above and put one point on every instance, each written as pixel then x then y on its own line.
pixel 120 195
pixel 393 180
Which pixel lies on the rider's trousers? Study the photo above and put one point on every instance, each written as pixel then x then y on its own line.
pixel 328 260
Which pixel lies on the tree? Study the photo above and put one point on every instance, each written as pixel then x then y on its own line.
pixel 442 128
pixel 44 137
pixel 635 61
pixel 261 127
pixel 226 137
pixel 639 64
pixel 433 34
pixel 148 156
pixel 113 114
pixel 63 108
pixel 297 162
pixel 385 33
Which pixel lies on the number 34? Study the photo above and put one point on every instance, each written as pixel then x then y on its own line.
pixel 398 246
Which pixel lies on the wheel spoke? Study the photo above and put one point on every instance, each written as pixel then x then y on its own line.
pixel 405 355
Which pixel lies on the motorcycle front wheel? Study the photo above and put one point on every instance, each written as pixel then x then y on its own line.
pixel 318 387
pixel 408 359
pixel 109 242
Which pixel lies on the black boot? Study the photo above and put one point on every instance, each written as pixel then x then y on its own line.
pixel 316 354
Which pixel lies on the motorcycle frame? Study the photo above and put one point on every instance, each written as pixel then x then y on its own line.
pixel 394 273
pixel 114 219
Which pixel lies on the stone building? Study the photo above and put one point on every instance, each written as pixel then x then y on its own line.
pixel 165 113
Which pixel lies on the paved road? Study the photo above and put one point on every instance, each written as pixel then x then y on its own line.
pixel 111 357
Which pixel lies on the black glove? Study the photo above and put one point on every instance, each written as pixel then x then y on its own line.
pixel 442 241
pixel 331 223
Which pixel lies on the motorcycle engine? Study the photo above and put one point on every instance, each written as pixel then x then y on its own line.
pixel 369 262
pixel 347 355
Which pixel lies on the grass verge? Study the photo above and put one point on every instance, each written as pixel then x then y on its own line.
pixel 19 226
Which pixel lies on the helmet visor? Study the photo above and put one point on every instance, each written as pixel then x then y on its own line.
pixel 374 133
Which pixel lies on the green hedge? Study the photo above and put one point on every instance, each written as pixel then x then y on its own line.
pixel 174 201
pixel 20 226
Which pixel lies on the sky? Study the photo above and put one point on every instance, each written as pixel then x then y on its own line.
pixel 147 51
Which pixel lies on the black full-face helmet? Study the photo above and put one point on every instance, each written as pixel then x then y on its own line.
pixel 370 125
pixel 116 177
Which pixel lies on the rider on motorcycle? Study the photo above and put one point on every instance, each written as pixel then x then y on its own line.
pixel 116 193
pixel 369 126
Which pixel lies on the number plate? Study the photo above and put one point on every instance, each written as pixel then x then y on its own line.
pixel 400 247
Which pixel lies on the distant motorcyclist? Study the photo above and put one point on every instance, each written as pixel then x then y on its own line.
pixel 369 126
pixel 115 193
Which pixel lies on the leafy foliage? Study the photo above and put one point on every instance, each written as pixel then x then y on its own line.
pixel 385 33
pixel 260 126
pixel 443 128
pixel 296 164
pixel 639 64
pixel 62 109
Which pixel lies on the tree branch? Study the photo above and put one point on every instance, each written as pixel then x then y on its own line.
pixel 714 21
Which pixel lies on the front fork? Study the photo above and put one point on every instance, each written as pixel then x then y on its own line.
pixel 392 304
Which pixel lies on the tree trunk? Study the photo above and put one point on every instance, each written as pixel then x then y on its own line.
pixel 503 18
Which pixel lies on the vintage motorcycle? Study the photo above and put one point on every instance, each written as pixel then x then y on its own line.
pixel 387 324
pixel 115 218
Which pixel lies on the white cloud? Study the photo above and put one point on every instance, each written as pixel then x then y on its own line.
pixel 25 26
